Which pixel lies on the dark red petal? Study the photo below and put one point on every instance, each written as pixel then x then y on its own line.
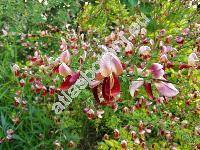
pixel 31 79
pixel 44 93
pixel 106 91
pixel 41 62
pixel 56 69
pixel 69 81
pixel 181 66
pixel 95 93
pixel 38 90
pixel 170 65
pixel 51 91
pixel 109 92
pixel 17 73
pixel 149 90
pixel 116 88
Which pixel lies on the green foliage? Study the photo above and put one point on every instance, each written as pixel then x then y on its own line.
pixel 103 16
pixel 22 15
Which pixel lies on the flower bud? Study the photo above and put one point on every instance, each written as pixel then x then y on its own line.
pixel 116 134
pixel 124 144
pixel 65 57
pixel 106 137
pixel 90 114
pixel 15 69
pixel 21 82
pixel 71 144
pixel 133 134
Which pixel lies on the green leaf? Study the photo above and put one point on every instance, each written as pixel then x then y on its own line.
pixel 109 143
pixel 17 137
pixel 133 3
pixel 146 8
pixel 135 71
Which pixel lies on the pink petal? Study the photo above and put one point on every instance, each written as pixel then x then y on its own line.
pixel 163 58
pixel 105 66
pixel 143 31
pixel 185 31
pixel 116 65
pixel 135 85
pixel 166 89
pixel 157 70
pixel 94 83
pixel 162 32
pixel 144 50
pixel 192 59
pixel 110 63
pixel 64 70
pixel 65 57
pixel 99 113
pixel 15 68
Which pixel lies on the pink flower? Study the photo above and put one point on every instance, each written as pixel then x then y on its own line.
pixel 124 144
pixel 90 114
pixel 192 59
pixel 69 80
pixel 65 57
pixel 51 90
pixel 136 141
pixel 70 77
pixel 163 58
pixel 133 134
pixel 162 32
pixel 151 41
pixel 185 31
pixel 128 49
pixel 157 70
pixel 143 31
pixel 64 70
pixel 21 82
pixel 149 90
pixel 116 134
pixel 144 50
pixel 164 88
pixel 168 39
pixel 179 40
pixel 99 113
pixel 43 33
pixel 15 68
pixel 63 45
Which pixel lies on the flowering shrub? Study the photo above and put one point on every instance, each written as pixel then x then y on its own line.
pixel 135 61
